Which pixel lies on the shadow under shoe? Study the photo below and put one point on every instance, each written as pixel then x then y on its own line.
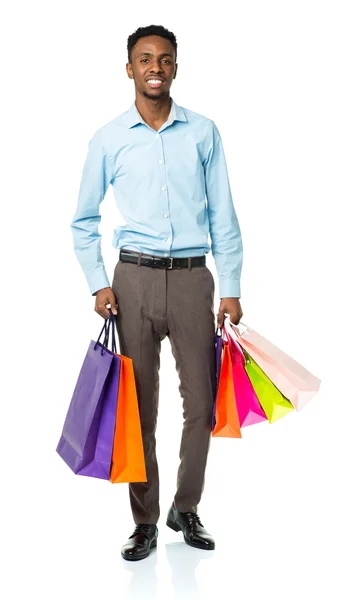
pixel 139 544
pixel 193 531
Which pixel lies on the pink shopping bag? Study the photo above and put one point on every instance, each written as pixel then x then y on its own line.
pixel 291 378
pixel 248 406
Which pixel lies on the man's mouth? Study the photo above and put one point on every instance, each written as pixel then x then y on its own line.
pixel 154 83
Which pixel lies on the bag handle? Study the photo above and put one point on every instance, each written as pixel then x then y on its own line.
pixel 223 331
pixel 112 324
pixel 106 328
pixel 229 328
pixel 232 339
pixel 237 328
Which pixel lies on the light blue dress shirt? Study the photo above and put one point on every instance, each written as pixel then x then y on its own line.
pixel 171 187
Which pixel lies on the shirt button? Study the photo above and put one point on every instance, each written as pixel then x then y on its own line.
pixel 165 215
pixel 157 135
pixel 163 187
pixel 165 254
pixel 160 161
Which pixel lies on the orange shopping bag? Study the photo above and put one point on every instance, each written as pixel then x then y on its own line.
pixel 128 460
pixel 227 421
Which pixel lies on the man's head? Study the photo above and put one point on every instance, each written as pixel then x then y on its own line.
pixel 152 55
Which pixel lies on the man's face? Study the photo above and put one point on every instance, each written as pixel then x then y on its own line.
pixel 153 58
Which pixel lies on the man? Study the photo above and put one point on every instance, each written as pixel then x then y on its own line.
pixel 168 171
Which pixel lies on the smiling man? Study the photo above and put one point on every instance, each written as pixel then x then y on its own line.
pixel 168 171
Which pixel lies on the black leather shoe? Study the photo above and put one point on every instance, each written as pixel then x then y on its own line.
pixel 193 531
pixel 140 542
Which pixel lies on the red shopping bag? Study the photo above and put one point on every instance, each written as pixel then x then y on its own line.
pixel 226 417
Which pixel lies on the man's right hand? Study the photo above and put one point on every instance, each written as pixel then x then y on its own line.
pixel 103 297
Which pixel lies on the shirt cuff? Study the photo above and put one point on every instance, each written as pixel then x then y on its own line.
pixel 97 280
pixel 229 288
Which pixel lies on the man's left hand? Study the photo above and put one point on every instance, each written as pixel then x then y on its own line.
pixel 231 306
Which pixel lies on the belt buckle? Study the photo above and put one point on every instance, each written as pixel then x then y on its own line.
pixel 171 259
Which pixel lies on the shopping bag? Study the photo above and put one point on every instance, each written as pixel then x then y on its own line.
pixel 295 382
pixel 226 417
pixel 274 404
pixel 218 342
pixel 128 461
pixel 249 408
pixel 87 437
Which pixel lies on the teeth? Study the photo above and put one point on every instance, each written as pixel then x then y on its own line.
pixel 154 81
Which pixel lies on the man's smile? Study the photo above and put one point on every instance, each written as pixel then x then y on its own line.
pixel 155 82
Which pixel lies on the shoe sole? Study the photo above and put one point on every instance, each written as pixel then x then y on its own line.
pixel 176 527
pixel 152 545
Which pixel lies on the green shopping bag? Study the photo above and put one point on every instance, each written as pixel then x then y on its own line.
pixel 274 404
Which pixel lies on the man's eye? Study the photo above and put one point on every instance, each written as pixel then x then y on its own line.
pixel 164 60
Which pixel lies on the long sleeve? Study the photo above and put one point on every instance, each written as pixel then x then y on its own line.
pixel 96 176
pixel 227 248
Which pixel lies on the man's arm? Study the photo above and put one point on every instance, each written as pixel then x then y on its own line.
pixel 96 176
pixel 224 228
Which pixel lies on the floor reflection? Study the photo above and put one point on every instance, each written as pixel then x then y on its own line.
pixel 183 562
pixel 144 580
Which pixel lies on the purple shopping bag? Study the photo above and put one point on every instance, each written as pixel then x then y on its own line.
pixel 88 432
pixel 219 346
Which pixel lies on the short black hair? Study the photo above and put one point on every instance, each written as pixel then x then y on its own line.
pixel 150 30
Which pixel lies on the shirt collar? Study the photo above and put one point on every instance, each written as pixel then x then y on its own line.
pixel 176 114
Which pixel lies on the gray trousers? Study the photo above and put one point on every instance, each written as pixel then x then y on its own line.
pixel 154 303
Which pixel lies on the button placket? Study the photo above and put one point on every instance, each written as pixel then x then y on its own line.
pixel 164 188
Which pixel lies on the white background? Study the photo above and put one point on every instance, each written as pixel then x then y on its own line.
pixel 280 80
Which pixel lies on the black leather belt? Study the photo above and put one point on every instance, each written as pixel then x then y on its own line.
pixel 162 262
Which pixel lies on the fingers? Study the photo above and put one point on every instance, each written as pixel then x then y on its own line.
pixel 220 318
pixel 105 299
pixel 233 317
pixel 236 317
pixel 102 311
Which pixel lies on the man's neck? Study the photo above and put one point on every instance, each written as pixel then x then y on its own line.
pixel 154 112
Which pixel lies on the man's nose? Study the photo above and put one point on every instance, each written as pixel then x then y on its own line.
pixel 157 68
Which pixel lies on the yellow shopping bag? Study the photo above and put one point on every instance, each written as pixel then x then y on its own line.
pixel 274 404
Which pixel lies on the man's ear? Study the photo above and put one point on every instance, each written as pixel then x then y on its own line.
pixel 129 70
